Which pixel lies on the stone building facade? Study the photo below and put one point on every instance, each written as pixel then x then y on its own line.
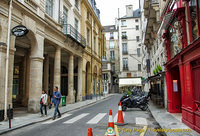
pixel 110 60
pixel 52 53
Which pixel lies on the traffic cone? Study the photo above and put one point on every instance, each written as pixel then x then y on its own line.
pixel 120 119
pixel 110 121
pixel 90 132
pixel 111 127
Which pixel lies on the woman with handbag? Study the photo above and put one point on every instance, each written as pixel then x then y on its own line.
pixel 43 103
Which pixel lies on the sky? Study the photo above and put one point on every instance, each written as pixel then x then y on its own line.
pixel 109 9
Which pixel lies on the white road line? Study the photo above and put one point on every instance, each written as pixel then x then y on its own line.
pixel 51 121
pixel 76 118
pixel 141 121
pixel 97 118
pixel 116 116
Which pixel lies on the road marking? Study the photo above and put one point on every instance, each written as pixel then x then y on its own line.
pixel 76 118
pixel 116 117
pixel 51 121
pixel 144 131
pixel 97 118
pixel 141 121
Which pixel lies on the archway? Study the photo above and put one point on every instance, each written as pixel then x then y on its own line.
pixel 25 48
pixel 95 80
pixel 87 81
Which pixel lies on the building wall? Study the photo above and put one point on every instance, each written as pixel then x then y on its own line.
pixel 132 45
pixel 92 54
pixel 47 47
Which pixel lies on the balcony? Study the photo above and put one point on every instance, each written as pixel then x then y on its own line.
pixel 111 37
pixel 95 9
pixel 124 37
pixel 154 2
pixel 72 33
pixel 125 68
pixel 125 52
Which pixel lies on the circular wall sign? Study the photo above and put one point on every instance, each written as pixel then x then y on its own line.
pixel 19 31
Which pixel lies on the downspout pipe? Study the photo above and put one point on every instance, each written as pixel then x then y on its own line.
pixel 7 59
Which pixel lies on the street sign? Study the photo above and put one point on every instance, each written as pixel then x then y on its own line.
pixel 19 31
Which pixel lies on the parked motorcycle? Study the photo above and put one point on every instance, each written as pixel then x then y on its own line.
pixel 135 101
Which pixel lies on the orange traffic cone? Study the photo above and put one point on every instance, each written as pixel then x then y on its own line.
pixel 90 132
pixel 111 128
pixel 120 119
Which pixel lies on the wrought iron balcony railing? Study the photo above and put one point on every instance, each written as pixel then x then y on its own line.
pixel 125 68
pixel 71 32
pixel 124 37
pixel 125 52
pixel 154 2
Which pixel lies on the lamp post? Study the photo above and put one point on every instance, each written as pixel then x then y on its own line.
pixel 7 59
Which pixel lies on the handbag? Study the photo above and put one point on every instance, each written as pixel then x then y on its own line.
pixel 41 101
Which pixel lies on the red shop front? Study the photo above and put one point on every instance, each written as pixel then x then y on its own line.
pixel 183 65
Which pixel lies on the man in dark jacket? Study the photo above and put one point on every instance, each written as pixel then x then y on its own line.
pixel 56 101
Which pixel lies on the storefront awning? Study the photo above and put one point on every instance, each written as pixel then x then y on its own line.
pixel 130 82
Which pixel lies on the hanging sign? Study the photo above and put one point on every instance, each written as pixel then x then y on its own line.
pixel 19 31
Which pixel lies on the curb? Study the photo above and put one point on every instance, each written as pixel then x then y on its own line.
pixel 34 122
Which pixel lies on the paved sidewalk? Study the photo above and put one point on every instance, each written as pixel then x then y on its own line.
pixel 28 119
pixel 168 121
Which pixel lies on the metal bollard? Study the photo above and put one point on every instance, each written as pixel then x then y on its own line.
pixel 9 116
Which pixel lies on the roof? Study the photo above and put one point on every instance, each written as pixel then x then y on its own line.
pixel 110 28
pixel 136 14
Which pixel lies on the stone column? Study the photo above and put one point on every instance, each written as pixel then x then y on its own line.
pixel 57 68
pixel 35 86
pixel 2 73
pixel 46 73
pixel 36 73
pixel 79 96
pixel 70 97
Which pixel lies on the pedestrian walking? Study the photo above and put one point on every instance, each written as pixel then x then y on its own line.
pixel 43 103
pixel 56 101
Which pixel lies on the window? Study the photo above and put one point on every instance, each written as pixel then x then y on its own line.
pixel 111 35
pixel 49 7
pixel 137 38
pixel 123 23
pixel 193 18
pixel 125 63
pixel 138 52
pixel 104 57
pixel 124 36
pixel 139 67
pixel 124 48
pixel 113 68
pixel 137 27
pixel 112 44
pixel 112 55
pixel 76 27
pixel 77 4
pixel 136 20
pixel 65 16
pixel 88 36
pixel 94 43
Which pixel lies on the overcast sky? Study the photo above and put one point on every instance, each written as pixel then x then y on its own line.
pixel 109 9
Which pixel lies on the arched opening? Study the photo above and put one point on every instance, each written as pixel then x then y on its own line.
pixel 87 81
pixel 21 72
pixel 95 81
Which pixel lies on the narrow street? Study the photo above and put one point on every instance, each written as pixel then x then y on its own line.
pixel 76 123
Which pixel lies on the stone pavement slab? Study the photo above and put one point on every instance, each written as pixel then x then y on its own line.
pixel 169 123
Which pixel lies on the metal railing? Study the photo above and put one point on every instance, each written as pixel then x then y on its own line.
pixel 125 52
pixel 71 32
pixel 125 68
pixel 154 2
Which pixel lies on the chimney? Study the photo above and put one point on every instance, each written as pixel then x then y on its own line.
pixel 129 10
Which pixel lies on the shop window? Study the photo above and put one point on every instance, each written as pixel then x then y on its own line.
pixel 193 18
pixel 175 42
